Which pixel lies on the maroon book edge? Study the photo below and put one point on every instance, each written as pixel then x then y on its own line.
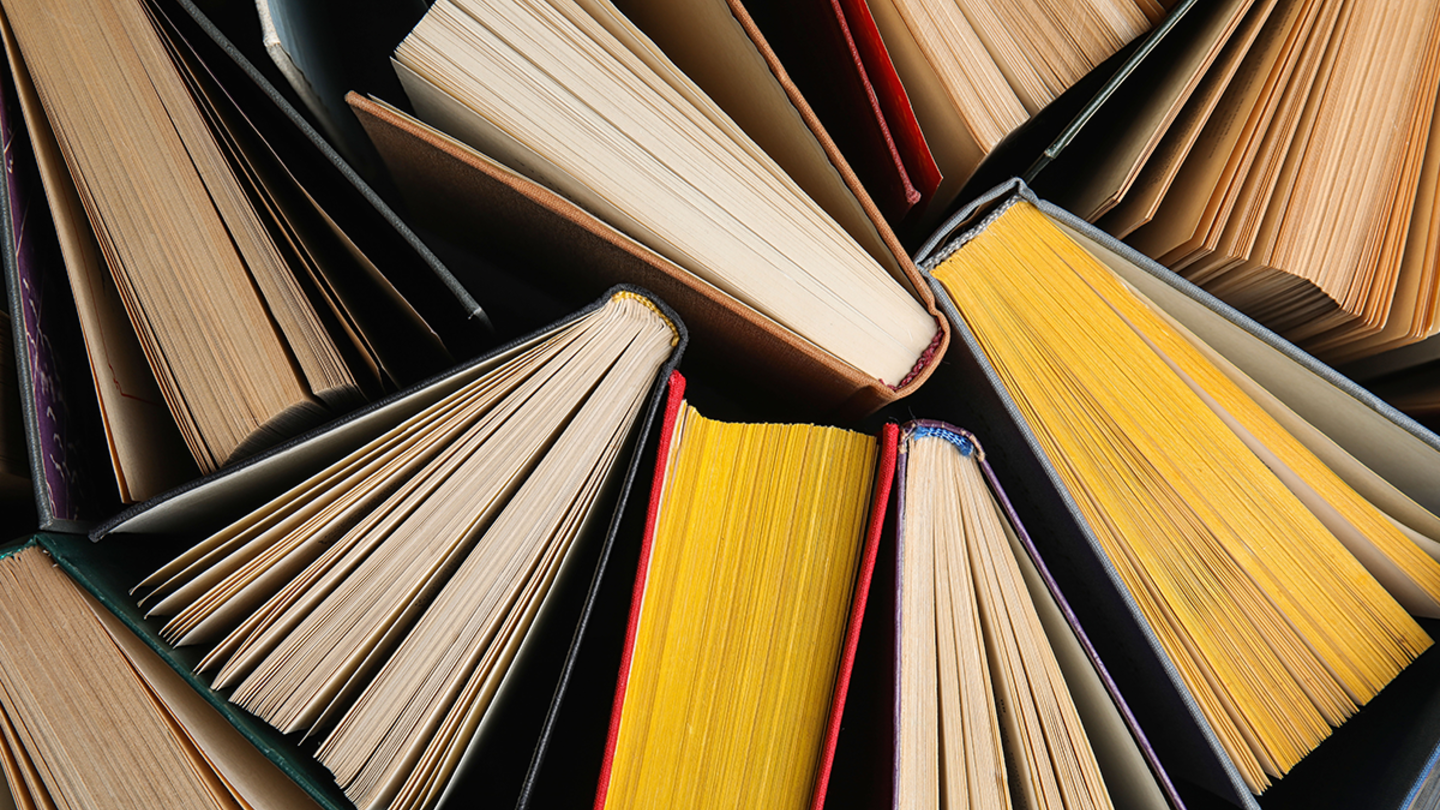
pixel 895 108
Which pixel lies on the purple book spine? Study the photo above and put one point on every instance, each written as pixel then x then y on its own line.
pixel 43 299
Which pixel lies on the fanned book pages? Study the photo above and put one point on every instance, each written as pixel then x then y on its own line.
pixel 217 275
pixel 379 605
pixel 571 95
pixel 753 576
pixel 985 663
pixel 1291 172
pixel 1267 578
pixel 977 69
pixel 76 687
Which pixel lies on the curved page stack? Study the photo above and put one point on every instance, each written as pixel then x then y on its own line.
pixel 984 710
pixel 1283 155
pixel 76 686
pixel 571 95
pixel 380 604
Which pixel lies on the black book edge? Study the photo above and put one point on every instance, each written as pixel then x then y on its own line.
pixel 462 296
pixel 1032 146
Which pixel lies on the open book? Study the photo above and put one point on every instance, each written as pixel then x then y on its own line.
pixel 397 602
pixel 102 438
pixel 1283 155
pixel 1158 415
pixel 206 276
pixel 978 70
pixel 752 583
pixel 76 686
pixel 582 111
pixel 996 696
pixel 833 52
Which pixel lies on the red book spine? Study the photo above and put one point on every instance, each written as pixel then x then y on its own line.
pixel 884 480
pixel 884 83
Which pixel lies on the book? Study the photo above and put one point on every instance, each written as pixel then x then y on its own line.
pixel 720 48
pixel 978 70
pixel 321 197
pixel 760 539
pixel 343 192
pixel 225 369
pixel 58 744
pixel 1398 743
pixel 996 696
pixel 1345 425
pixel 147 452
pixel 510 465
pixel 1227 185
pixel 57 397
pixel 451 185
pixel 1167 102
pixel 834 54
pixel 413 145
pixel 245 348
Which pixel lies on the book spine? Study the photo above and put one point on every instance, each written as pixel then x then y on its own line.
pixel 880 499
